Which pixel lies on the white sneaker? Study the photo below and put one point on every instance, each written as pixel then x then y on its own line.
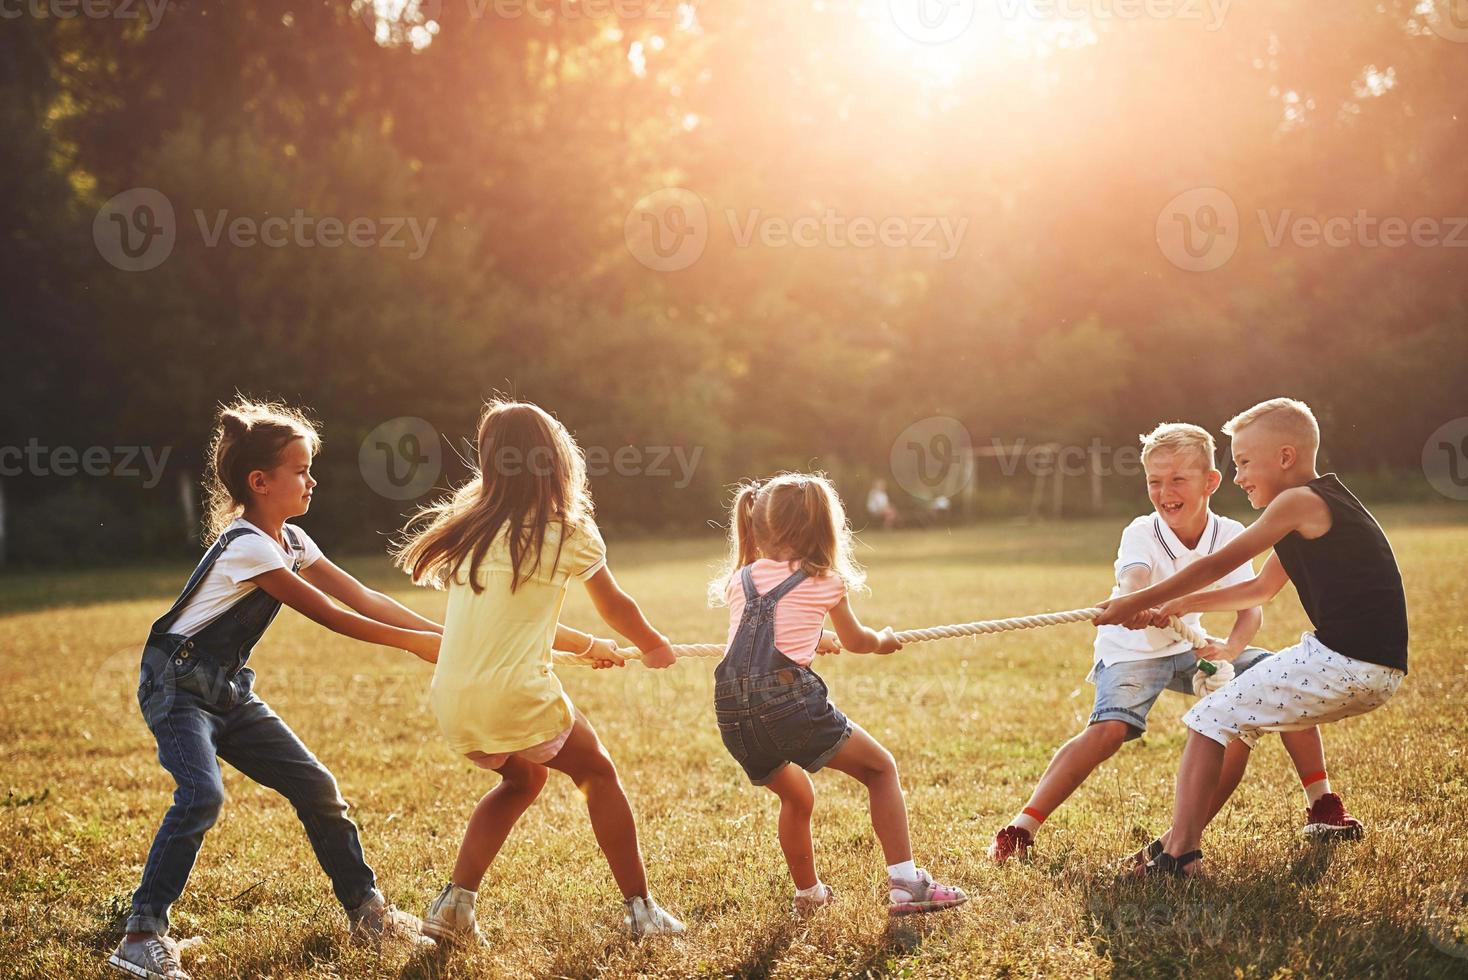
pixel 450 917
pixel 154 958
pixel 375 921
pixel 646 918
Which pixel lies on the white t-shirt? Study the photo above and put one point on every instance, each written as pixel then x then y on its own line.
pixel 1150 542
pixel 228 581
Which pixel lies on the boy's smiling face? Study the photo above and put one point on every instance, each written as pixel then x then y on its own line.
pixel 1263 460
pixel 1179 485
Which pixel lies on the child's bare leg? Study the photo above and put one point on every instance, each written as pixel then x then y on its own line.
pixel 1197 782
pixel 494 817
pixel 1235 761
pixel 1074 762
pixel 1307 752
pixel 585 760
pixel 864 759
pixel 797 801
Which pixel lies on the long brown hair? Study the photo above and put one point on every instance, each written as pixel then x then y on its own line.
pixel 794 517
pixel 531 473
pixel 248 435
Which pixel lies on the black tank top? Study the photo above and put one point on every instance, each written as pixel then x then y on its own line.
pixel 1348 580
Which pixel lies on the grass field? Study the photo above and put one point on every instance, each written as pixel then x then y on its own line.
pixel 972 724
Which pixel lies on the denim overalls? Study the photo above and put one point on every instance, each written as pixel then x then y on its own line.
pixel 771 711
pixel 195 693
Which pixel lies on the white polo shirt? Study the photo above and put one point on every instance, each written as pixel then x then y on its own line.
pixel 1149 542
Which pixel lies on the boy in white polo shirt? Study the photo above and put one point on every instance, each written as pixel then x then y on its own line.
pixel 1133 667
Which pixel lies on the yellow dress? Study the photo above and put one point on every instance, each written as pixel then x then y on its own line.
pixel 494 689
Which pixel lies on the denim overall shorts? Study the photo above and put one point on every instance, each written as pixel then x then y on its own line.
pixel 210 665
pixel 771 711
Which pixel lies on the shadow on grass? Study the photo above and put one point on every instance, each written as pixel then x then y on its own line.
pixel 1209 928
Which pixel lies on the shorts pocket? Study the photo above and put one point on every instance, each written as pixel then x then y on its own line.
pixel 733 740
pixel 788 725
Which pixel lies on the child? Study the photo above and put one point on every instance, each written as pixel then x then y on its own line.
pixel 791 564
pixel 506 545
pixel 195 689
pixel 1347 578
pixel 1133 668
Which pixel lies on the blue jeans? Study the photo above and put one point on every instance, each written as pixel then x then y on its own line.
pixel 1126 691
pixel 253 739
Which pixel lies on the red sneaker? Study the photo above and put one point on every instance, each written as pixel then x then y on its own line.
pixel 1328 820
pixel 1011 842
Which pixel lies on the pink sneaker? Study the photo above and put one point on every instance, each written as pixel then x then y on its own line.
pixel 922 894
pixel 1011 842
pixel 1328 820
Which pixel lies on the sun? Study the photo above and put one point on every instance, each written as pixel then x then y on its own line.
pixel 943 41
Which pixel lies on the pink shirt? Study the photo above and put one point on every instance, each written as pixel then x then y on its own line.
pixel 799 616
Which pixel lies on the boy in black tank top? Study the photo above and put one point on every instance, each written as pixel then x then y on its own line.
pixel 1342 565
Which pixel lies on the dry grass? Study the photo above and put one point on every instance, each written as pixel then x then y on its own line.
pixel 972 724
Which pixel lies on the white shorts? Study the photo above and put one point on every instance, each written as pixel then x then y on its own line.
pixel 1300 687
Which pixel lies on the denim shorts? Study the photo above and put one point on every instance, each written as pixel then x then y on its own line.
pixel 768 722
pixel 1126 691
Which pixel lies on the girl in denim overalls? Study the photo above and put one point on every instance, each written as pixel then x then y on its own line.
pixel 790 554
pixel 195 690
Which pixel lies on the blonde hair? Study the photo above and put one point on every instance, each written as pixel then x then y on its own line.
pixel 1180 437
pixel 531 473
pixel 1288 417
pixel 795 517
pixel 248 436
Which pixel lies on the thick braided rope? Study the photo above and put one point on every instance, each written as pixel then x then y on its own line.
pixel 1192 634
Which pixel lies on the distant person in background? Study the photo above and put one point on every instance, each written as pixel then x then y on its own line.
pixel 879 505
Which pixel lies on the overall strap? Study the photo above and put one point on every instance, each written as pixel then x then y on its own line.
pixel 206 563
pixel 783 589
pixel 747 578
pixel 297 552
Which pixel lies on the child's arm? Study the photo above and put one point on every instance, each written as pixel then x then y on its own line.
pixel 1295 508
pixel 858 638
pixel 346 588
pixel 311 602
pixel 1246 595
pixel 621 612
pixel 1246 626
pixel 601 653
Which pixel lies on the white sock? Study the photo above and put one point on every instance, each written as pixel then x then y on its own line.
pixel 1024 821
pixel 813 891
pixel 464 893
pixel 902 871
pixel 1316 790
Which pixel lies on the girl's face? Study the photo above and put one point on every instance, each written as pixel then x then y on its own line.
pixel 284 491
